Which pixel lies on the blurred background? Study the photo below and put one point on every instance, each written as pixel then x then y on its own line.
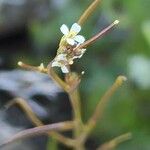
pixel 29 31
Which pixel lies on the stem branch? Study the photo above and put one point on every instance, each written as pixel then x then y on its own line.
pixel 101 106
pixel 57 79
pixel 63 126
pixel 75 101
pixel 37 122
pixel 97 36
pixel 40 68
pixel 88 12
pixel 115 142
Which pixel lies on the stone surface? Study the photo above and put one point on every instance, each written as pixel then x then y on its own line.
pixel 41 93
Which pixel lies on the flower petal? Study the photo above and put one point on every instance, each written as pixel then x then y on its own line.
pixel 64 69
pixel 70 41
pixel 75 28
pixel 79 38
pixel 83 50
pixel 64 29
pixel 55 64
pixel 61 57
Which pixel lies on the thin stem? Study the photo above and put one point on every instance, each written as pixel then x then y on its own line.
pixel 101 106
pixel 97 36
pixel 57 79
pixel 37 122
pixel 88 12
pixel 74 97
pixel 40 68
pixel 63 126
pixel 27 109
pixel 115 142
pixel 49 70
pixel 75 101
pixel 104 100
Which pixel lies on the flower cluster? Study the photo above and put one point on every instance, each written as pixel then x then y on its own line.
pixel 68 48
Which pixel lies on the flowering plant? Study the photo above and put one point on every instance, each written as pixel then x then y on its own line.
pixel 68 50
pixel 71 47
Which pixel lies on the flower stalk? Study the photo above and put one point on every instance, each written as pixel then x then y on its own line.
pixel 98 113
pixel 39 68
pixel 88 12
pixel 115 142
pixel 99 35
pixel 75 100
pixel 37 122
pixel 41 130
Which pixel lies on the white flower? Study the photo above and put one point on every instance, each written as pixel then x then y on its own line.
pixel 81 51
pixel 68 47
pixel 61 57
pixel 60 61
pixel 70 36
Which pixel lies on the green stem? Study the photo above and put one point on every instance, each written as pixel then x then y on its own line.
pixel 88 12
pixel 115 142
pixel 79 146
pixel 75 100
pixel 104 100
pixel 52 144
pixel 57 79
pixel 101 107
pixel 42 130
pixel 37 122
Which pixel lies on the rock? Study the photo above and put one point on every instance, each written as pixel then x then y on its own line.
pixel 45 98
